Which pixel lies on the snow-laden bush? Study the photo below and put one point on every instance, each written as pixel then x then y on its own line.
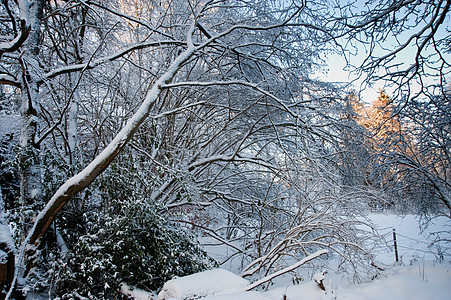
pixel 129 242
pixel 115 234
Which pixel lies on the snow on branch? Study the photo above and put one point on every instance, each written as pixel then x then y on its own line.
pixel 250 28
pixel 257 161
pixel 9 80
pixel 234 82
pixel 102 60
pixel 128 17
pixel 17 42
pixel 287 269
pixel 212 233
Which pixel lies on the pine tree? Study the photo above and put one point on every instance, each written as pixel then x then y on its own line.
pixel 382 120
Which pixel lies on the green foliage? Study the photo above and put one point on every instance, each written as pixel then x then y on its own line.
pixel 128 240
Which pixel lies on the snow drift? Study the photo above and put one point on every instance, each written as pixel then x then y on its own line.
pixel 202 284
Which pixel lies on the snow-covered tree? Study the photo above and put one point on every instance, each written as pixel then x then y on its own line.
pixel 420 157
pixel 215 100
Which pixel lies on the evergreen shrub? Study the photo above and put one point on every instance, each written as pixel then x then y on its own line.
pixel 127 240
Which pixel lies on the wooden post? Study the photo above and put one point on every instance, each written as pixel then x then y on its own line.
pixel 395 245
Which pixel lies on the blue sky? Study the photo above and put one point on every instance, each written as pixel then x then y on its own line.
pixel 337 64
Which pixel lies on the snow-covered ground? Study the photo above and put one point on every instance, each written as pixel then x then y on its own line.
pixel 414 282
pixel 414 243
pixel 423 272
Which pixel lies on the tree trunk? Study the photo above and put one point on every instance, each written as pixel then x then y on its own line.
pixel 72 132
pixel 29 160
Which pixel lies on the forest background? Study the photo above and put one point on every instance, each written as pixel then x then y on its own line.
pixel 129 127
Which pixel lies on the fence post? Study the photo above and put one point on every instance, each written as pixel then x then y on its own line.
pixel 395 245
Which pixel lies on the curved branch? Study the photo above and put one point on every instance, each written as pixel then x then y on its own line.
pixel 92 64
pixel 17 42
pixel 287 269
pixel 9 80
